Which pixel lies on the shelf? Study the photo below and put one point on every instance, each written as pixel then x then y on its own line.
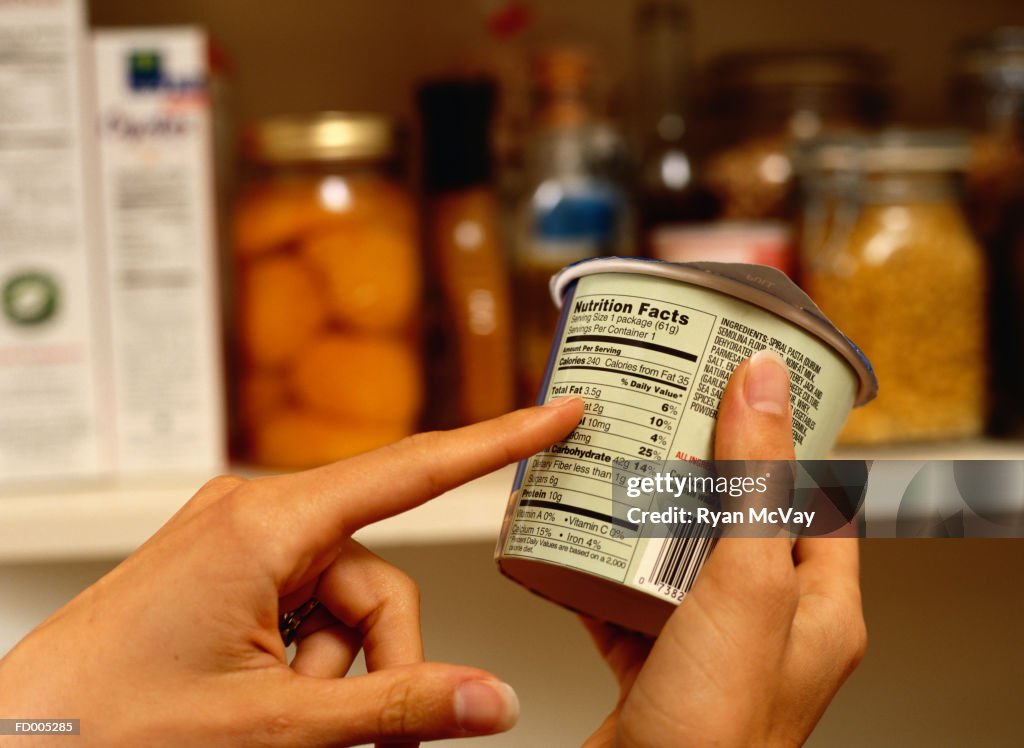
pixel 969 449
pixel 110 521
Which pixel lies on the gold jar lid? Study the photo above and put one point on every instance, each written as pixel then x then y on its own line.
pixel 323 136
pixel 797 68
pixel 888 150
pixel 995 59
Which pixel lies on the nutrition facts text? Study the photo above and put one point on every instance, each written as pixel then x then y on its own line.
pixel 634 360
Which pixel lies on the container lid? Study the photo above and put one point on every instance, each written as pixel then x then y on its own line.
pixel 760 285
pixel 774 232
pixel 997 58
pixel 323 136
pixel 891 150
pixel 456 114
pixel 560 68
pixel 796 69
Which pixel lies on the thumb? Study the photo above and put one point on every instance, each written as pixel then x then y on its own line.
pixel 426 701
pixel 752 576
pixel 754 419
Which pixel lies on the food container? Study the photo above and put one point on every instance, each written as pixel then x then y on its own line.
pixel 890 259
pixel 753 242
pixel 327 272
pixel 650 346
pixel 767 103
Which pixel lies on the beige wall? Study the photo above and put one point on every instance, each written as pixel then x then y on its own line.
pixel 302 55
pixel 944 667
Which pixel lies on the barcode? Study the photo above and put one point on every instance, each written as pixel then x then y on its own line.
pixel 680 557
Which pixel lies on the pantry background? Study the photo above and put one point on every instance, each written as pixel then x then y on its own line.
pixel 944 616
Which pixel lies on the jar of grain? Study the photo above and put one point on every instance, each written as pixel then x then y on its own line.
pixel 894 264
pixel 766 103
pixel 327 277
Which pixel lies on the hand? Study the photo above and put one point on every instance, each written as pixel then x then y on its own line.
pixel 179 645
pixel 769 632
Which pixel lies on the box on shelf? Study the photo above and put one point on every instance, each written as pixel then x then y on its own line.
pixel 51 347
pixel 159 248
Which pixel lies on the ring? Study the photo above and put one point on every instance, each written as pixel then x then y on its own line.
pixel 291 621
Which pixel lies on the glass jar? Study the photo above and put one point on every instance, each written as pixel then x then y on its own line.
pixel 766 103
pixel 328 282
pixel 988 98
pixel 895 266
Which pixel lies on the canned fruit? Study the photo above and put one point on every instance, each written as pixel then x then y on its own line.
pixel 261 394
pixel 282 310
pixel 270 218
pixel 351 261
pixel 328 285
pixel 364 380
pixel 294 438
pixel 276 215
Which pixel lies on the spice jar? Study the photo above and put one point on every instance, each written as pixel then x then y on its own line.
pixel 988 98
pixel 766 103
pixel 327 277
pixel 896 267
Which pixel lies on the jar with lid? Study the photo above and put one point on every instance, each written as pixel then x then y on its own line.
pixel 767 102
pixel 893 263
pixel 328 281
pixel 988 99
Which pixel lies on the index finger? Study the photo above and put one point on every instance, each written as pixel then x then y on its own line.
pixel 829 567
pixel 310 513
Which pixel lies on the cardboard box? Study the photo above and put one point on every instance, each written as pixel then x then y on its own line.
pixel 159 249
pixel 50 337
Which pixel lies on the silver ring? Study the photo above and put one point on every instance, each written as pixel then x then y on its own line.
pixel 290 622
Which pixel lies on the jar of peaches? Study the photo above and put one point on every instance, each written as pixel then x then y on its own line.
pixel 327 285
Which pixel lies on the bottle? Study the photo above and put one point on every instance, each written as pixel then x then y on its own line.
pixel 988 100
pixel 575 205
pixel 670 191
pixel 474 377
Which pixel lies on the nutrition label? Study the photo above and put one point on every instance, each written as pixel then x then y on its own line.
pixel 634 359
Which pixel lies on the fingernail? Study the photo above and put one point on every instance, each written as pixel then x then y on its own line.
pixel 766 388
pixel 559 402
pixel 486 706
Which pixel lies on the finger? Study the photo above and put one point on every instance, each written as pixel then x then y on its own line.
pixel 418 468
pixel 377 600
pixel 296 599
pixel 623 651
pixel 428 701
pixel 209 494
pixel 754 421
pixel 829 567
pixel 750 582
pixel 327 652
pixel 830 635
pixel 299 519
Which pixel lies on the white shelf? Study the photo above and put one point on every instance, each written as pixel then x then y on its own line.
pixel 110 521
pixel 968 449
